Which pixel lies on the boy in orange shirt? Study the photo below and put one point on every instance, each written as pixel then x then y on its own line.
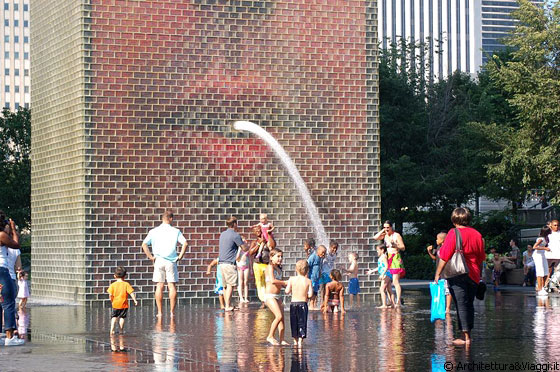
pixel 118 294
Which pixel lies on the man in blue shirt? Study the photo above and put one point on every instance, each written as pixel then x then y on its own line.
pixel 163 240
pixel 230 242
pixel 315 261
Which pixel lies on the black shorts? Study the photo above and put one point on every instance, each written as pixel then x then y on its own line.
pixel 119 313
pixel 298 319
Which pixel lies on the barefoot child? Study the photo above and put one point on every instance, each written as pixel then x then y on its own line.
pixel 243 263
pixel 334 294
pixel 119 291
pixel 385 276
pixel 328 265
pixel 219 286
pixel 23 289
pixel 274 284
pixel 440 238
pixel 353 284
pixel 301 289
pixel 315 262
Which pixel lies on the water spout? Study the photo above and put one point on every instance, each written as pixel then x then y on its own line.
pixel 312 213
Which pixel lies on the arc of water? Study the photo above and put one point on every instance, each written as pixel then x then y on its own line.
pixel 312 212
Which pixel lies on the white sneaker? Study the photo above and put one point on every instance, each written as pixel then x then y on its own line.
pixel 14 341
pixel 542 292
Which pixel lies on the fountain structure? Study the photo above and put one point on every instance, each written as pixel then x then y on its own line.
pixel 133 113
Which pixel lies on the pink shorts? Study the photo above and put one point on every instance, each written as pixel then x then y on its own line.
pixel 242 268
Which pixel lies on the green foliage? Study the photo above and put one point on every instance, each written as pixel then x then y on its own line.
pixel 497 229
pixel 419 266
pixel 15 168
pixel 432 158
pixel 528 154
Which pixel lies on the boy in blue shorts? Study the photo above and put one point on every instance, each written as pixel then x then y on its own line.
pixel 353 283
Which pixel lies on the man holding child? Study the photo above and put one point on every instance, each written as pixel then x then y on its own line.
pixel 230 242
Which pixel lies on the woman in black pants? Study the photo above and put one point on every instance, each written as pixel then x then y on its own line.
pixel 463 287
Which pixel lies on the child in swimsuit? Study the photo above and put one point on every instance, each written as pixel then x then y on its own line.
pixel 334 294
pixel 384 275
pixel 353 283
pixel 273 298
pixel 266 228
pixel 243 264
pixel 302 290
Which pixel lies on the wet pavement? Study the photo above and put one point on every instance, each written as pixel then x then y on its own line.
pixel 513 328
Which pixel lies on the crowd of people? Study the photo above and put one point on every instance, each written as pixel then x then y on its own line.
pixel 317 283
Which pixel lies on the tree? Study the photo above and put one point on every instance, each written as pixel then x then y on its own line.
pixel 529 155
pixel 15 169
pixel 403 119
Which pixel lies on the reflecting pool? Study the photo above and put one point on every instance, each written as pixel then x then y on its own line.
pixel 510 327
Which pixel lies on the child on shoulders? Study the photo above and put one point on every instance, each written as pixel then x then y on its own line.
pixel 266 228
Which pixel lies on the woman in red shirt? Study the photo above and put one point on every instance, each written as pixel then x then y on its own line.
pixel 463 287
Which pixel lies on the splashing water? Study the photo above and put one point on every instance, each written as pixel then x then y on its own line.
pixel 320 234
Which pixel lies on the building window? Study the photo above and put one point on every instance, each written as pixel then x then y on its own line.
pixel 7 55
pixel 6 6
pixel 7 88
pixel 16 55
pixel 16 7
pixel 26 72
pixel 7 22
pixel 16 89
pixel 25 55
pixel 26 89
pixel 25 23
pixel 17 105
pixel 16 72
pixel 25 7
pixel 16 39
pixel 26 39
pixel 26 105
pixel 6 38
pixel 16 22
pixel 6 71
pixel 7 105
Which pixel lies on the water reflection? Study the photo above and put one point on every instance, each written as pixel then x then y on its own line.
pixel 202 338
pixel 22 322
pixel 164 344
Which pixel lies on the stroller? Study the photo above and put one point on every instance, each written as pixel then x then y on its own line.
pixel 553 283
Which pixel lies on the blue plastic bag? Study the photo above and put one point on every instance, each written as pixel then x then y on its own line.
pixel 438 361
pixel 437 290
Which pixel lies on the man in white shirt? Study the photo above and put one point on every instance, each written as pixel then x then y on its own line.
pixel 163 240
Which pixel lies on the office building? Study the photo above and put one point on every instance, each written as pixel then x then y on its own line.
pixel 496 24
pixel 15 64
pixel 459 34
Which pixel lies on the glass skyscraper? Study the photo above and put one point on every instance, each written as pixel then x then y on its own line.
pixel 15 64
